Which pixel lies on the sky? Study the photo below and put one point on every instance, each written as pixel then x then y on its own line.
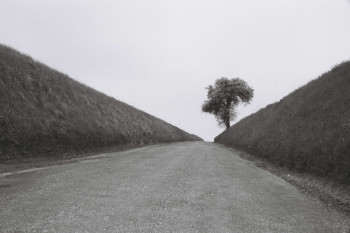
pixel 159 55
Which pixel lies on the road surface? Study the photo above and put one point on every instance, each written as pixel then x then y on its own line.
pixel 180 187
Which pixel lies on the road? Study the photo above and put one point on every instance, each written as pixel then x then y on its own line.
pixel 179 187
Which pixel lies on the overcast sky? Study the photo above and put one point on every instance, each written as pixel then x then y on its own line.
pixel 159 55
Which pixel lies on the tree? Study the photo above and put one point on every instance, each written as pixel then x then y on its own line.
pixel 225 96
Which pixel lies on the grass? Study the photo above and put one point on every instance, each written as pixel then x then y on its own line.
pixel 308 130
pixel 45 112
pixel 330 192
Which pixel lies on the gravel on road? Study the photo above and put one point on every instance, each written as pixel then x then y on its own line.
pixel 178 187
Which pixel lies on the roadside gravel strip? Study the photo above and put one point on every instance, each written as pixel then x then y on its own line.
pixel 179 187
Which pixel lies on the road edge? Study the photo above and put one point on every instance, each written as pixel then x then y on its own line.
pixel 331 193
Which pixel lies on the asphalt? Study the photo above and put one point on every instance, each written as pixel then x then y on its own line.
pixel 179 187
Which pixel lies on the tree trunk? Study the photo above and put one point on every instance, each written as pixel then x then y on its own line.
pixel 227 123
pixel 228 106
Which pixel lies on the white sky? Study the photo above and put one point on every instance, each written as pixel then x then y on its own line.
pixel 160 55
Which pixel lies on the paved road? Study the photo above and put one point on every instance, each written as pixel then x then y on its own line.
pixel 181 187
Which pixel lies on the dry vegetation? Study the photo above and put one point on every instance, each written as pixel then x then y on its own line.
pixel 44 112
pixel 308 130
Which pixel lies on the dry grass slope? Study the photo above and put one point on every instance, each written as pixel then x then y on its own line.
pixel 46 112
pixel 308 130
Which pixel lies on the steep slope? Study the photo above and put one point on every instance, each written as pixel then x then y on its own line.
pixel 43 111
pixel 308 130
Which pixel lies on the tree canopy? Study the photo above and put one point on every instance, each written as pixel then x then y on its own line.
pixel 224 97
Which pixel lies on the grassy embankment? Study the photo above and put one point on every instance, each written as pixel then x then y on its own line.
pixel 44 112
pixel 308 130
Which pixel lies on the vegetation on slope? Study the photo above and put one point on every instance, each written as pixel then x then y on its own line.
pixel 308 130
pixel 46 112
